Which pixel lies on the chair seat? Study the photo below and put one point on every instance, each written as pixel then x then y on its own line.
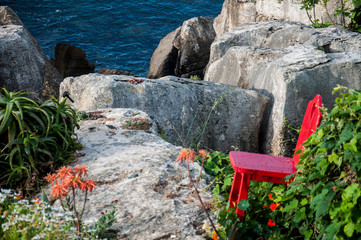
pixel 261 164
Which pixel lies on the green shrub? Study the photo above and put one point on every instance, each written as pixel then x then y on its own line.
pixel 324 200
pixel 35 138
pixel 258 204
pixel 219 166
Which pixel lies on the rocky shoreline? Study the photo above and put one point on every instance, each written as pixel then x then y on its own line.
pixel 258 78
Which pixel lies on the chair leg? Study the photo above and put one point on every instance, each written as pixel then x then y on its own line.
pixel 243 194
pixel 235 190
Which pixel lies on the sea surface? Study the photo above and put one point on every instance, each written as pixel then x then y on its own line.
pixel 117 34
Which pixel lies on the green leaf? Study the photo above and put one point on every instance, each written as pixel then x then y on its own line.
pixel 352 192
pixel 322 208
pixel 351 145
pixel 216 189
pixel 308 234
pixel 332 230
pixel 304 201
pixel 345 135
pixel 334 158
pixel 227 183
pixel 243 204
pixel 349 229
pixel 292 205
pixel 300 214
pixel 44 197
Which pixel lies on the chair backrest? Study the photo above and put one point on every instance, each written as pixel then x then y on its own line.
pixel 310 122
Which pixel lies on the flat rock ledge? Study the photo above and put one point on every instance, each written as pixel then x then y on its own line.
pixel 219 116
pixel 139 169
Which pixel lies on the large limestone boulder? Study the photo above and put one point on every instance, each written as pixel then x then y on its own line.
pixel 23 65
pixel 187 112
pixel 139 169
pixel 235 13
pixel 290 63
pixel 185 51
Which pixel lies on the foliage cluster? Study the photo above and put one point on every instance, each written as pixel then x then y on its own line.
pixel 218 165
pixel 324 200
pixel 350 18
pixel 259 221
pixel 35 138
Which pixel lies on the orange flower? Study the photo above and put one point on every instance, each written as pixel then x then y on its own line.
pixel 270 196
pixel 265 206
pixel 203 153
pixel 83 186
pixel 37 201
pixel 51 178
pixel 63 172
pixel 90 185
pixel 271 223
pixel 186 154
pixel 214 235
pixel 81 170
pixel 59 191
pixel 72 180
pixel 274 206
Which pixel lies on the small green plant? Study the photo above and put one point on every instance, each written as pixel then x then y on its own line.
pixel 81 115
pixel 137 124
pixel 100 229
pixel 195 78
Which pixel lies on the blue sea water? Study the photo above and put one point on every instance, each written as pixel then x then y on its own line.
pixel 117 34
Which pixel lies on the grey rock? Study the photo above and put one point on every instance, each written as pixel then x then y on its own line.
pixel 193 44
pixel 180 107
pixel 185 51
pixel 71 61
pixel 139 169
pixel 23 65
pixel 290 63
pixel 236 13
pixel 164 58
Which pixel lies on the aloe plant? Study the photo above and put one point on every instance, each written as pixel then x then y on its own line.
pixel 35 137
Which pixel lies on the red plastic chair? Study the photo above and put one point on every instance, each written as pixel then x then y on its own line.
pixel 266 168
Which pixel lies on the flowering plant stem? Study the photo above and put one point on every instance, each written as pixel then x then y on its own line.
pixel 68 180
pixel 200 200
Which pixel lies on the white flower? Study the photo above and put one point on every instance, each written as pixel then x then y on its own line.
pixel 2 197
pixel 6 191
